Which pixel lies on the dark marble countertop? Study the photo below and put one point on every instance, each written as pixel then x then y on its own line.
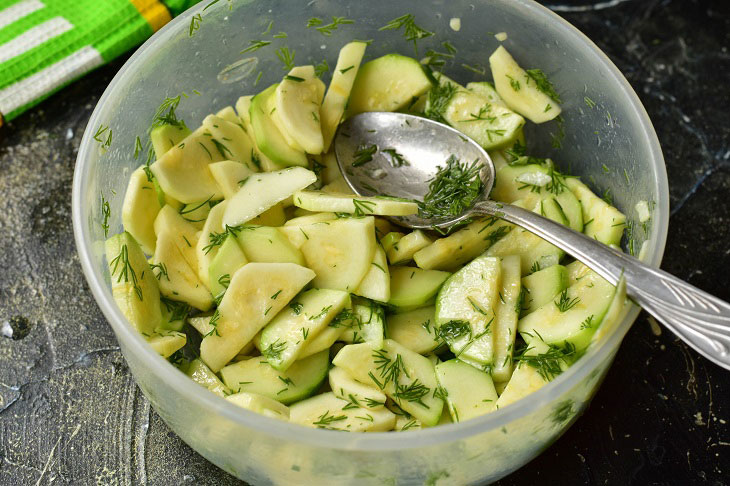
pixel 70 412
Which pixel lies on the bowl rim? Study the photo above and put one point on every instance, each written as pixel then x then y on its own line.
pixel 379 441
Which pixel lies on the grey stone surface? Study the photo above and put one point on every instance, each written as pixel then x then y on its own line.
pixel 70 412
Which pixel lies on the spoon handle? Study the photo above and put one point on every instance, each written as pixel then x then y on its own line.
pixel 698 318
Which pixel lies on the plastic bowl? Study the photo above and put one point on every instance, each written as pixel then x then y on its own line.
pixel 616 132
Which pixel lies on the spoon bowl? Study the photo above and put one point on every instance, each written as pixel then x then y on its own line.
pixel 397 154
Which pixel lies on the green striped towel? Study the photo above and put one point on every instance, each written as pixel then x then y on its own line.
pixel 46 44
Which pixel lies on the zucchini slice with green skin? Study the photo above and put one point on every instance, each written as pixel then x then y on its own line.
pixel 486 90
pixel 248 306
pixel 407 246
pixel 518 90
pixel 139 210
pixel 363 395
pixel 462 246
pixel 406 377
pixel 573 316
pixel 229 259
pixel 526 378
pixel 166 136
pixel 288 333
pixel 260 404
pixel 320 201
pixel 203 251
pixel 257 158
pixel 297 101
pixel 269 138
pixel 183 171
pixel 507 315
pixel 261 191
pixel 469 392
pixel 603 222
pixel 327 411
pixel 465 310
pixel 229 174
pixel 416 329
pixel 231 140
pixel 256 375
pixel 387 83
pixel 134 287
pixel 543 286
pixel 340 252
pixel 335 101
pixel 204 376
pixel 268 245
pixel 412 287
pixel 167 342
pixel 375 285
pixel 367 326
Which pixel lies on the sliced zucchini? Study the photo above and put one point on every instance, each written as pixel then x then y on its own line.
pixel 507 314
pixel 406 377
pixel 203 251
pixel 603 222
pixel 166 136
pixel 543 286
pixel 322 341
pixel 519 90
pixel 387 83
pixel 335 101
pixel 229 259
pixel 229 114
pixel 268 245
pixel 526 378
pixel 469 392
pixel 231 140
pixel 134 287
pixel 327 411
pixel 340 252
pixel 307 315
pixel 202 375
pixel 465 310
pixel 486 90
pixel 166 343
pixel 269 138
pixel 310 219
pixel 331 170
pixel 248 306
pixel 367 326
pixel 573 316
pixel 412 287
pixel 416 329
pixel 183 171
pixel 258 158
pixel 183 233
pixel 261 191
pixel 360 394
pixel 407 246
pixel 256 375
pixel 390 240
pixel 297 100
pixel 274 216
pixel 338 186
pixel 179 280
pixel 358 205
pixel 260 404
pixel 139 210
pixel 462 246
pixel 616 311
pixel 375 285
pixel 229 175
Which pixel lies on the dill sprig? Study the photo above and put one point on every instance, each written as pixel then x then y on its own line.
pixel 564 302
pixel 454 329
pixel 105 213
pixel 255 45
pixel 396 159
pixel 195 22
pixel 126 271
pixel 343 319
pixel 98 136
pixel 438 99
pixel 162 270
pixel 547 364
pixel 178 310
pixel 296 307
pixel 328 29
pixel 217 239
pixel 362 208
pixel 273 351
pixel 287 57
pixel 543 84
pixel 452 190
pixel 326 419
pixel 321 68
pixel 166 114
pixel 412 32
pixel 413 392
pixel 364 154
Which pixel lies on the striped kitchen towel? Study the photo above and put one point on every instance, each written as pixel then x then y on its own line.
pixel 46 44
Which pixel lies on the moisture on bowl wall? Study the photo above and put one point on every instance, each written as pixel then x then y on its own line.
pixel 261 449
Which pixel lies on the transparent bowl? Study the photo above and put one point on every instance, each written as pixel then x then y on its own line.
pixel 616 132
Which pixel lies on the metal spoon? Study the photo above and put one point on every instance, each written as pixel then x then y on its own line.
pixel 698 318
